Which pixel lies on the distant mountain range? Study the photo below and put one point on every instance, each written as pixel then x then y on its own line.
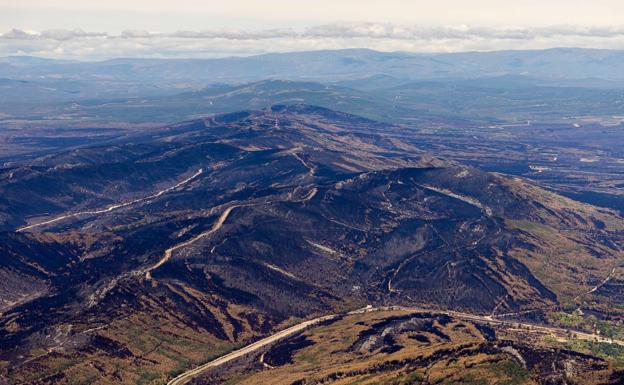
pixel 397 87
pixel 552 64
pixel 445 102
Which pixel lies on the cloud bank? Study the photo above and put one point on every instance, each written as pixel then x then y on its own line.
pixel 78 44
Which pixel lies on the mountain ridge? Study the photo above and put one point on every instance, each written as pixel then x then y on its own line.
pixel 168 280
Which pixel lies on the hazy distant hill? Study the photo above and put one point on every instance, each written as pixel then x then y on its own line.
pixel 563 63
pixel 388 86
pixel 448 101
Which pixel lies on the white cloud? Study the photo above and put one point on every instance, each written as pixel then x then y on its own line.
pixel 18 34
pixel 64 35
pixel 381 36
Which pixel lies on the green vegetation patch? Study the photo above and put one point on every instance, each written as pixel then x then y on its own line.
pixel 613 352
pixel 531 227
pixel 567 319
pixel 606 350
pixel 516 373
pixel 588 324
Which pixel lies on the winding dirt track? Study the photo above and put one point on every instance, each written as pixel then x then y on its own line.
pixel 169 252
pixel 112 207
pixel 215 227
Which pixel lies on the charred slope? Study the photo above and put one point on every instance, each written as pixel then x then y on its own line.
pixel 169 249
pixel 414 348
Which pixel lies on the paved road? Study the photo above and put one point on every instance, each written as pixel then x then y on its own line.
pixel 529 328
pixel 187 376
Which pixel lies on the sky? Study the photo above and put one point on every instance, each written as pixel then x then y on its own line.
pixel 92 30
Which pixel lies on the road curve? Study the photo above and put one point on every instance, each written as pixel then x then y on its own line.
pixel 215 227
pixel 169 252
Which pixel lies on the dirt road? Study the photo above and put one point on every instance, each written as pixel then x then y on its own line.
pixel 169 252
pixel 112 207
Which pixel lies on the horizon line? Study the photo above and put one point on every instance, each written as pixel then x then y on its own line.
pixel 250 55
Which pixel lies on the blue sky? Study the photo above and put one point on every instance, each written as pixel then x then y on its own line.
pixel 193 28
